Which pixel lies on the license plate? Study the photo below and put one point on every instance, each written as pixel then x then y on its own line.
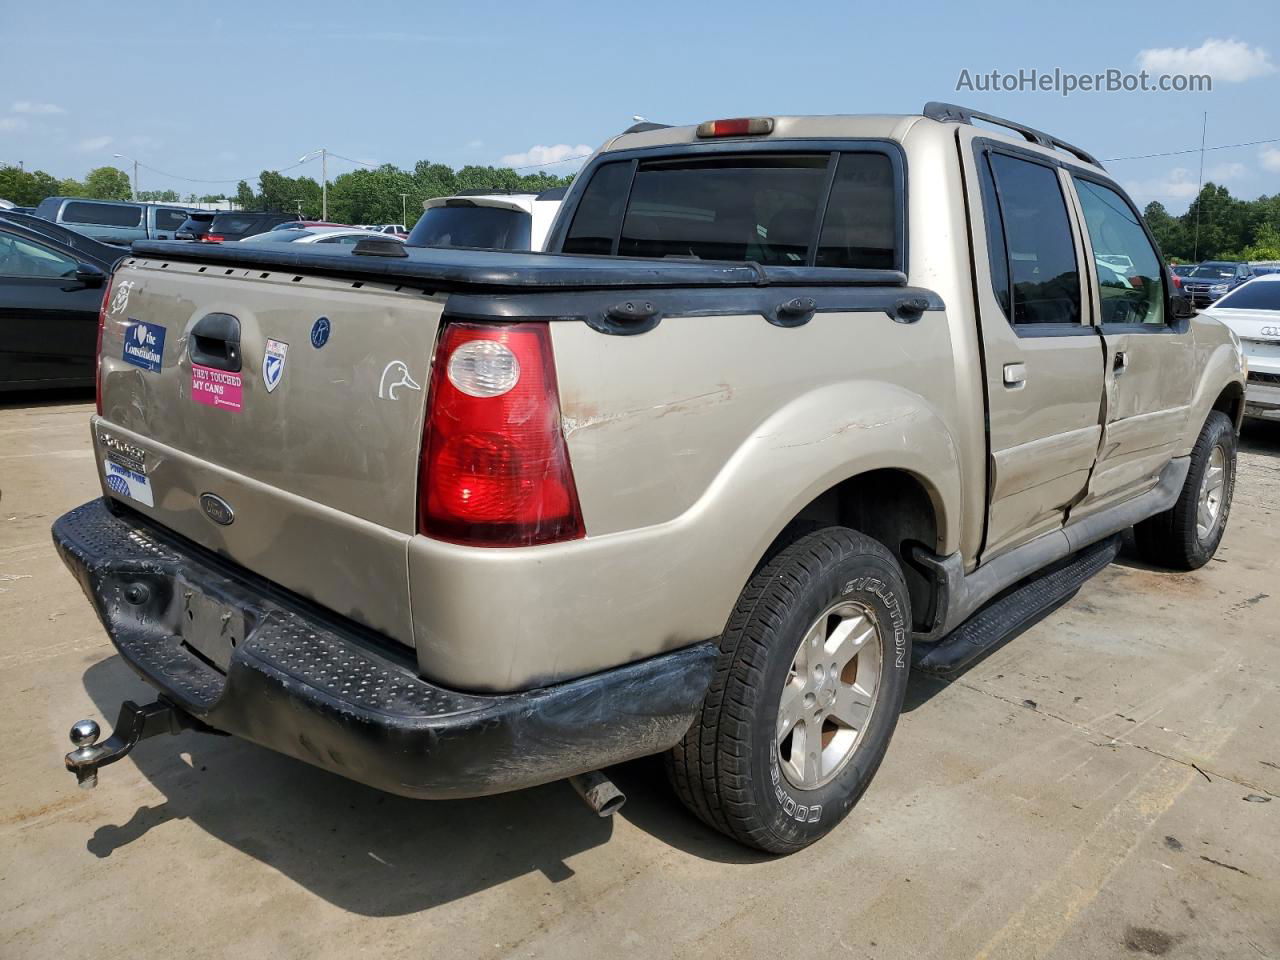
pixel 128 483
pixel 211 628
pixel 1262 350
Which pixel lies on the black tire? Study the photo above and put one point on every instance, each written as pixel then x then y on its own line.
pixel 726 769
pixel 1170 539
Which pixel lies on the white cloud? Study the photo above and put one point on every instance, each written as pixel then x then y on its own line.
pixel 1178 184
pixel 28 106
pixel 93 144
pixel 1269 157
pixel 545 156
pixel 1225 171
pixel 9 124
pixel 1227 61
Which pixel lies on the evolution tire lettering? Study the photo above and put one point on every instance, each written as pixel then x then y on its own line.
pixel 879 589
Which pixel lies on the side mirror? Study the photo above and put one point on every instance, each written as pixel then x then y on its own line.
pixel 90 276
pixel 1180 306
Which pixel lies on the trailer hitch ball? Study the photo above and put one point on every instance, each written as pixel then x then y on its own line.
pixel 84 735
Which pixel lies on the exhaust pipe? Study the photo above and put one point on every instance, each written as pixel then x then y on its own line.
pixel 599 793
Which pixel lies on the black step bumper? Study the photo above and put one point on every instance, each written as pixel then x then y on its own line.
pixel 307 684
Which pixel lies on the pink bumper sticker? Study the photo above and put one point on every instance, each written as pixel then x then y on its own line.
pixel 216 388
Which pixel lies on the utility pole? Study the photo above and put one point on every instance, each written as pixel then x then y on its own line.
pixel 404 210
pixel 1195 251
pixel 121 156
pixel 323 154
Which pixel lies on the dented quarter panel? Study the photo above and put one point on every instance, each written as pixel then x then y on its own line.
pixel 685 475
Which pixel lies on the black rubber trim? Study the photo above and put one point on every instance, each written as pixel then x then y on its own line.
pixel 436 268
pixel 316 688
pixel 902 304
pixel 1009 615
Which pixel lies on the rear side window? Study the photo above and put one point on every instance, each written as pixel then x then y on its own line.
pixel 170 219
pixel 832 210
pixel 102 214
pixel 1037 282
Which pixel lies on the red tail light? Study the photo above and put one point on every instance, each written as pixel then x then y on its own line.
pixel 495 468
pixel 212 238
pixel 102 322
pixel 1177 281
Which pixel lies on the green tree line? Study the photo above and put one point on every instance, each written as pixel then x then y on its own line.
pixel 362 196
pixel 1218 226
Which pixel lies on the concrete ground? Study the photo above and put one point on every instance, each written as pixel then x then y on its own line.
pixel 1108 785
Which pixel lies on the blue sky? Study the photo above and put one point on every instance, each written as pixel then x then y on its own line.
pixel 225 90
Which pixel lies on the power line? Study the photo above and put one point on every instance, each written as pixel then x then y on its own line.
pixel 1179 153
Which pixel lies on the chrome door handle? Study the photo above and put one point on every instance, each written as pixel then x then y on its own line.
pixel 1015 374
pixel 1121 363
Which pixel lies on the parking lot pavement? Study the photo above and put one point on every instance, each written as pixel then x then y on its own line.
pixel 1106 785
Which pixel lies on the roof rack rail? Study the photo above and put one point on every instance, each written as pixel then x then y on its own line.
pixel 646 125
pixel 950 112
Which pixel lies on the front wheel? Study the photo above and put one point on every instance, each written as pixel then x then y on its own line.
pixel 806 694
pixel 1187 535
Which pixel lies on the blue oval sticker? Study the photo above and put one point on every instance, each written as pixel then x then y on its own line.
pixel 320 332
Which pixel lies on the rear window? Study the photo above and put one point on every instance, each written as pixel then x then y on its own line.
pixel 1214 271
pixel 837 210
pixel 102 214
pixel 241 223
pixel 487 228
pixel 1254 295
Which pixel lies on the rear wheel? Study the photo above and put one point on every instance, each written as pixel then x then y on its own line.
pixel 1185 536
pixel 808 686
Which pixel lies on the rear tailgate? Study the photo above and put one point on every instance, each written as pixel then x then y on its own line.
pixel 312 444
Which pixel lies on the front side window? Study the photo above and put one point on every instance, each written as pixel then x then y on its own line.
pixel 1130 281
pixel 778 209
pixel 23 259
pixel 102 214
pixel 1037 281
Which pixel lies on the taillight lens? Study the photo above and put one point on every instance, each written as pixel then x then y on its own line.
pixel 212 238
pixel 735 127
pixel 495 468
pixel 102 323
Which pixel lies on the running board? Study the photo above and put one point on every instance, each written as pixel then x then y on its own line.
pixel 1015 611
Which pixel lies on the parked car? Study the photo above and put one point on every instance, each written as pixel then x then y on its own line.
pixel 1262 269
pixel 1215 278
pixel 50 294
pixel 1182 270
pixel 707 482
pixel 302 224
pixel 394 229
pixel 486 220
pixel 233 225
pixel 342 235
pixel 114 221
pixel 196 226
pixel 1252 311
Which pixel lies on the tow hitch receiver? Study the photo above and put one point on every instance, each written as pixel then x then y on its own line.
pixel 134 724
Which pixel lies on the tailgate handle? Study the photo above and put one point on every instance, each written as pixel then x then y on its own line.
pixel 215 342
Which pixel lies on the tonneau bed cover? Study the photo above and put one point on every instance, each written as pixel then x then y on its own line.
pixel 439 268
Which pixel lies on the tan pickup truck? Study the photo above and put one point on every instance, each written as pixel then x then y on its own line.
pixel 793 404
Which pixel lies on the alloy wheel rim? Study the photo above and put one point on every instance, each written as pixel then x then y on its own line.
pixel 830 695
pixel 1212 491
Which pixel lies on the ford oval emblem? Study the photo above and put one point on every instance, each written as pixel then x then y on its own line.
pixel 217 509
